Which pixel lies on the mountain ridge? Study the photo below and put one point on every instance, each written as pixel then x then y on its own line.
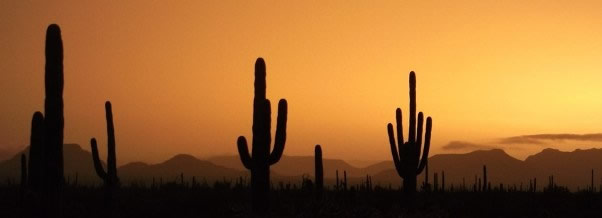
pixel 569 168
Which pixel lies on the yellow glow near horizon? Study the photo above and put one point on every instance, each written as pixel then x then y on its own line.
pixel 180 74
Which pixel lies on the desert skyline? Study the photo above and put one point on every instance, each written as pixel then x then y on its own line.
pixel 180 75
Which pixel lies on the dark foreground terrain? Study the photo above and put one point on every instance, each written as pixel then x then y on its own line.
pixel 224 200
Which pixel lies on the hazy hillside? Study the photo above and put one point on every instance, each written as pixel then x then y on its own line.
pixel 171 170
pixel 569 168
pixel 76 161
pixel 295 166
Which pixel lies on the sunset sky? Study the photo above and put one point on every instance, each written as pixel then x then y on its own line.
pixel 180 73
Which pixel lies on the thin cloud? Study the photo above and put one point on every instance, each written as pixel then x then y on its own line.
pixel 462 145
pixel 521 140
pixel 541 138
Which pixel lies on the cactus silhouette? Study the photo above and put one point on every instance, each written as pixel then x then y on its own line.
pixel 406 154
pixel 319 171
pixel 36 153
pixel 261 158
pixel 110 176
pixel 53 109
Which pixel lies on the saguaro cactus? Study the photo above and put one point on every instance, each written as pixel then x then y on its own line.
pixel 53 108
pixel 36 153
pixel 406 154
pixel 110 176
pixel 261 158
pixel 319 171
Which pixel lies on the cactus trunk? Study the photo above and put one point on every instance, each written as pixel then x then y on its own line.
pixel 53 109
pixel 261 158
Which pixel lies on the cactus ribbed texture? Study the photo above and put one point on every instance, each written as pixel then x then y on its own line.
pixel 319 171
pixel 406 154
pixel 53 109
pixel 110 176
pixel 36 153
pixel 261 158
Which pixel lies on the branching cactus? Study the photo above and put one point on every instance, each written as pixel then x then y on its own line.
pixel 53 109
pixel 406 154
pixel 262 156
pixel 110 176
pixel 319 171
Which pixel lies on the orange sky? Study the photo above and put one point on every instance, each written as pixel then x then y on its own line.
pixel 180 73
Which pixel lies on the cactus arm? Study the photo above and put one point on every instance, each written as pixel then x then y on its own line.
pixel 97 164
pixel 243 151
pixel 280 132
pixel 418 144
pixel 412 132
pixel 394 152
pixel 399 120
pixel 427 145
pixel 36 152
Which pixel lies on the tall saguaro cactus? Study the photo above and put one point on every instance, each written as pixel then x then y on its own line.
pixel 319 171
pixel 262 157
pixel 406 154
pixel 53 108
pixel 110 176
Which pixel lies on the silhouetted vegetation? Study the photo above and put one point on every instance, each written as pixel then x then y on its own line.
pixel 406 154
pixel 110 179
pixel 262 157
pixel 44 192
pixel 319 171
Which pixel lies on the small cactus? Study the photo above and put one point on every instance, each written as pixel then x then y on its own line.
pixel 261 158
pixel 319 170
pixel 345 180
pixel 337 180
pixel 36 153
pixel 110 176
pixel 406 154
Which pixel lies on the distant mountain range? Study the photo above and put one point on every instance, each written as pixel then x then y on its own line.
pixel 572 169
